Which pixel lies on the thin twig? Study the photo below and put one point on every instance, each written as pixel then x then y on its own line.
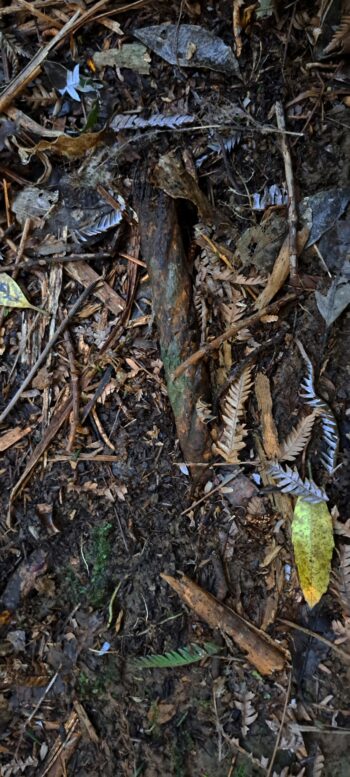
pixel 22 245
pixel 342 653
pixel 47 350
pixel 292 207
pixel 278 739
pixel 213 345
pixel 32 69
pixel 101 430
pixel 56 259
pixel 224 482
pixel 74 417
pixel 7 202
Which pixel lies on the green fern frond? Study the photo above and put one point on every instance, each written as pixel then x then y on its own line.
pixel 180 657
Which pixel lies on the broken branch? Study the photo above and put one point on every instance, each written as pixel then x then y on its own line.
pixel 231 332
pixel 292 207
pixel 265 654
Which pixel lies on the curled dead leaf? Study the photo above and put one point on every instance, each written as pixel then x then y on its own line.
pixel 69 147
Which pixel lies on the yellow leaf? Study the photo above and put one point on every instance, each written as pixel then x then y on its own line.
pixel 312 537
pixel 11 296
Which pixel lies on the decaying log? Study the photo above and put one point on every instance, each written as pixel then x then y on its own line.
pixel 265 654
pixel 163 251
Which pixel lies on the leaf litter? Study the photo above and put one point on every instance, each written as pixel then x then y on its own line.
pixel 155 190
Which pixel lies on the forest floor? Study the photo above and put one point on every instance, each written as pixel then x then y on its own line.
pixel 99 496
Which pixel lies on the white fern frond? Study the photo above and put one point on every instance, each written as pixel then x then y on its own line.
pixel 329 424
pixel 298 438
pixel 248 713
pixel 234 432
pixel 290 482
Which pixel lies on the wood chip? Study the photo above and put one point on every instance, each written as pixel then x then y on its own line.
pixel 12 436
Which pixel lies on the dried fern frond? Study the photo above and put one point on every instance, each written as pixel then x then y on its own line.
pixel 329 424
pixel 341 631
pixel 341 580
pixel 318 765
pixel 342 528
pixel 248 713
pixel 341 37
pixel 253 280
pixel 202 314
pixel 174 658
pixel 290 482
pixel 256 506
pixel 12 49
pixel 204 411
pixel 298 439
pixel 232 312
pixel 231 441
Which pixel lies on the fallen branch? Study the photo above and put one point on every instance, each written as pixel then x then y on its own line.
pixel 265 654
pixel 292 206
pixel 231 332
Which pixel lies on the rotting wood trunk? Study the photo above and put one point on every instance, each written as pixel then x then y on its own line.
pixel 163 251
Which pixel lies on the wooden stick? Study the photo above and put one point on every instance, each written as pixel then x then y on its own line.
pixel 33 68
pixel 40 360
pixel 265 654
pixel 292 207
pixel 74 377
pixel 213 345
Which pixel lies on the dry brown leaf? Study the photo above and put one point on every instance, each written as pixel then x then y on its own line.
pixel 70 147
pixel 237 26
pixel 231 441
pixel 84 274
pixel 341 631
pixel 269 431
pixel 280 270
pixel 298 439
